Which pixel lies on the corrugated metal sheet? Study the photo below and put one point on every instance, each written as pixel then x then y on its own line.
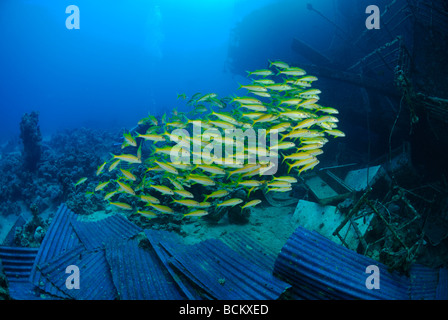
pixel 250 249
pixel 95 278
pixel 442 286
pixel 224 274
pixel 423 283
pixel 17 264
pixel 59 238
pixel 95 234
pixel 162 240
pixel 321 269
pixel 138 273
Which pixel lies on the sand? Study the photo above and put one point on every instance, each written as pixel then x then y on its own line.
pixel 271 226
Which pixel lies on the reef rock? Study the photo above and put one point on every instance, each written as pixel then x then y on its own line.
pixel 31 139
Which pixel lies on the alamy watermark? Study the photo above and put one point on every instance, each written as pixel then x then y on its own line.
pixel 373 20
pixel 373 280
pixel 73 280
pixel 72 21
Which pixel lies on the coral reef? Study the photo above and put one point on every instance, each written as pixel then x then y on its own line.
pixel 31 139
pixel 65 158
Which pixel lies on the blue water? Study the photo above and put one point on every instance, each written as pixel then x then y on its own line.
pixel 133 57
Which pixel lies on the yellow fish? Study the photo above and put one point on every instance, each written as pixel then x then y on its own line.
pixel 329 110
pixel 211 168
pixel 222 124
pixel 126 188
pixel 291 102
pixel 188 203
pixel 335 133
pixel 246 168
pixel 201 179
pixel 308 78
pixel 184 193
pixel 252 203
pixel 100 169
pixel 261 72
pixel 253 115
pixel 315 152
pixel 161 208
pixel 261 94
pixel 279 189
pixel 101 186
pixel 286 178
pixel 204 204
pixel 230 203
pixel 152 137
pixel 196 213
pixel 279 87
pixel 250 183
pixel 128 175
pixel 283 145
pixel 301 163
pixel 149 199
pixel 81 181
pixel 217 194
pixel 253 88
pixel 167 167
pixel 310 146
pixel 266 118
pixel 279 127
pixel 297 156
pixel 279 64
pixel 129 139
pixel 327 119
pixel 162 189
pixel 147 214
pixel 279 184
pixel 293 71
pixel 310 92
pixel 295 115
pixel 114 165
pixel 305 124
pixel 110 195
pixel 309 166
pixel 225 117
pixel 264 81
pixel 254 107
pixel 121 205
pixel 296 133
pixel 128 158
pixel 246 100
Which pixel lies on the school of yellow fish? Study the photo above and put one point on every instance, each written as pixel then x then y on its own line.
pixel 279 99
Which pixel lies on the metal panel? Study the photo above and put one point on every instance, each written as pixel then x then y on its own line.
pixel 160 241
pixel 138 274
pixel 320 268
pixel 95 278
pixel 17 264
pixel 59 238
pixel 95 234
pixel 423 282
pixel 442 286
pixel 249 248
pixel 226 275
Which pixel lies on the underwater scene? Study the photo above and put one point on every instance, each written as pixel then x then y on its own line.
pixel 234 150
